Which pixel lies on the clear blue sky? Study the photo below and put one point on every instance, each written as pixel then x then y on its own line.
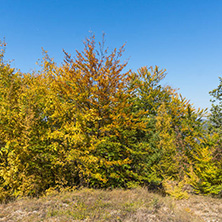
pixel 183 36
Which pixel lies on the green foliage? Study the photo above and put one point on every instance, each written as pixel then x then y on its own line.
pixel 216 109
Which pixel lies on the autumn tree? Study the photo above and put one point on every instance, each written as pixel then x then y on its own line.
pixel 91 122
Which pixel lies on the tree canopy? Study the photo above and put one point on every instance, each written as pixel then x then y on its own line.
pixel 91 122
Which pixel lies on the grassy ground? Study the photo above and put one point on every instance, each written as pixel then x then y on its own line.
pixel 116 205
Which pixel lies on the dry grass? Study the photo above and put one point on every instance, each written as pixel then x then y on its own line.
pixel 117 205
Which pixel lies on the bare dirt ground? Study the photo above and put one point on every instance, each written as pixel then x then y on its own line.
pixel 116 205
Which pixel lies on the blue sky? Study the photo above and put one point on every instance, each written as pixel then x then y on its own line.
pixel 182 36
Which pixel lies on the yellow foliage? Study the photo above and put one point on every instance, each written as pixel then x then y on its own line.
pixel 176 189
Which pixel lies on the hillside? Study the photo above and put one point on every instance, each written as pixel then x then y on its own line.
pixel 116 205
